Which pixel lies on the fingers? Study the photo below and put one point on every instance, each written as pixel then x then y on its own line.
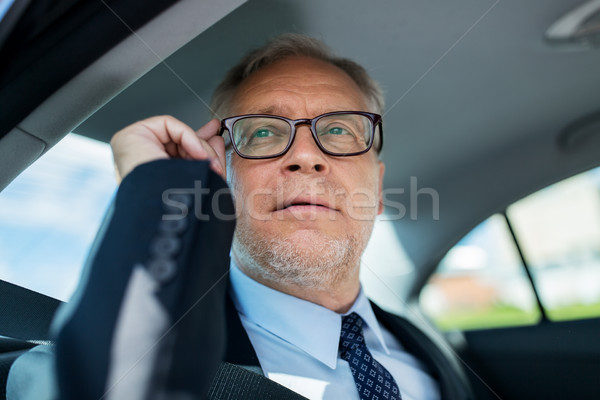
pixel 166 137
pixel 204 144
pixel 178 133
pixel 218 144
pixel 211 129
pixel 209 134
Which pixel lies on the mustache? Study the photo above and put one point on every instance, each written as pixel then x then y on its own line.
pixel 308 190
pixel 286 190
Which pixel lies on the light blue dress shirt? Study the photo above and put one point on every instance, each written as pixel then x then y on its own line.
pixel 296 342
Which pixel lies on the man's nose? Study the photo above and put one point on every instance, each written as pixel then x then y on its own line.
pixel 305 155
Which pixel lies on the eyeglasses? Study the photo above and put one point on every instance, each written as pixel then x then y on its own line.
pixel 341 133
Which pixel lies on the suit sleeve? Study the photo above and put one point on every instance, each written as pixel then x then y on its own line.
pixel 148 316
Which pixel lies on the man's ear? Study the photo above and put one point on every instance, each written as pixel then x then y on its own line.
pixel 381 172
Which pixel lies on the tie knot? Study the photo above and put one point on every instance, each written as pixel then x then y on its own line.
pixel 351 335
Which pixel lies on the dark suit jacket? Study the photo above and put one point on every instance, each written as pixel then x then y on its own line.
pixel 158 274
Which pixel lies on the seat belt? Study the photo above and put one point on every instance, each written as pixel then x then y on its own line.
pixel 234 382
pixel 25 314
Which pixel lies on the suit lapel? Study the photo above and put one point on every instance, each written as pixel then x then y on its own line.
pixel 239 350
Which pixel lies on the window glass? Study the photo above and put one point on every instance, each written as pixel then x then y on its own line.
pixel 386 272
pixel 481 283
pixel 558 229
pixel 49 215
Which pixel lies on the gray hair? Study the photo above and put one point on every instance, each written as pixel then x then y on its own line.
pixel 289 45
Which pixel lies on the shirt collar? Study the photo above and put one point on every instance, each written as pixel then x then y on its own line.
pixel 286 317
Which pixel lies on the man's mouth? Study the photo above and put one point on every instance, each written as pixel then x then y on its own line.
pixel 305 204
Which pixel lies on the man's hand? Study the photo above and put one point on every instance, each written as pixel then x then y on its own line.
pixel 166 137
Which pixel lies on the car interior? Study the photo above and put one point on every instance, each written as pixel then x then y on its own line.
pixel 487 104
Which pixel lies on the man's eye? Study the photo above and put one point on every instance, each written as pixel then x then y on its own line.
pixel 336 130
pixel 262 133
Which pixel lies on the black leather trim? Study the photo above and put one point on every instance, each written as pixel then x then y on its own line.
pixel 25 314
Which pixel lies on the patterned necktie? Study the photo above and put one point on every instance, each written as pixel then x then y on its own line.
pixel 372 380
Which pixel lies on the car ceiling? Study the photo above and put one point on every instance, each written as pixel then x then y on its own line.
pixel 476 97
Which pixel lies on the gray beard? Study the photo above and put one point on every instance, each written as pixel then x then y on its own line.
pixel 282 260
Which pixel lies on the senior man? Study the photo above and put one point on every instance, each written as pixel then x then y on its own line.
pixel 299 143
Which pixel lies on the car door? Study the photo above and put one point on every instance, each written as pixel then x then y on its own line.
pixel 520 295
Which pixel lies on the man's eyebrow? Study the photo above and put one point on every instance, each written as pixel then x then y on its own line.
pixel 282 111
pixel 273 110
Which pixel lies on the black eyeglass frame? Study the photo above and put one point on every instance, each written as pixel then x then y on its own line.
pixel 376 120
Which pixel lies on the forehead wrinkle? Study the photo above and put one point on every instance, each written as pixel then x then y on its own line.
pixel 284 102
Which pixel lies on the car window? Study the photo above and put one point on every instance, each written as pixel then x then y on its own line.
pixel 481 283
pixel 50 213
pixel 558 230
pixel 386 272
pixel 545 245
